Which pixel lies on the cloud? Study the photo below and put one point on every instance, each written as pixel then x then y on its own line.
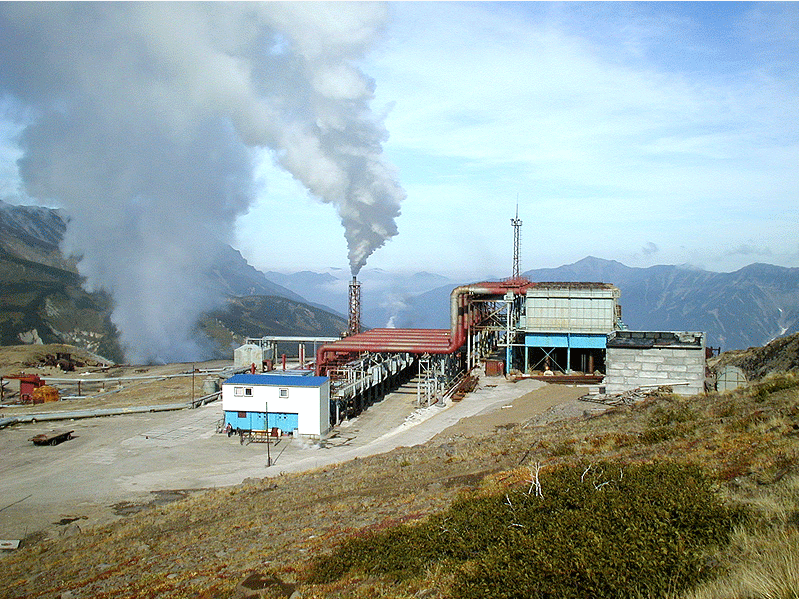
pixel 747 250
pixel 649 249
pixel 602 117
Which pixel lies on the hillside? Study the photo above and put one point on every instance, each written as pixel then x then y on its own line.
pixel 781 355
pixel 44 300
pixel 266 536
pixel 259 316
pixel 47 304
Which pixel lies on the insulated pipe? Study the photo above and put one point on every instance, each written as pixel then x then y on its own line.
pixel 459 319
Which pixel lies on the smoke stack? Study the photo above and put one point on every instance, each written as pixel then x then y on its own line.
pixel 355 307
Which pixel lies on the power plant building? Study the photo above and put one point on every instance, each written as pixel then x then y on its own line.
pixel 560 331
pixel 566 325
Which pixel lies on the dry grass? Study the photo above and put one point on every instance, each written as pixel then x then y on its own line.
pixel 208 543
pixel 763 558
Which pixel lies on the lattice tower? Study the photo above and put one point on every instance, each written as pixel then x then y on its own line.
pixel 517 234
pixel 355 307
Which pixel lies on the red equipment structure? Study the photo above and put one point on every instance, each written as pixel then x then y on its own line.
pixel 28 383
pixel 465 313
pixel 354 325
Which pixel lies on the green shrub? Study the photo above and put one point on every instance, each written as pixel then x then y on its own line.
pixel 661 416
pixel 774 383
pixel 598 532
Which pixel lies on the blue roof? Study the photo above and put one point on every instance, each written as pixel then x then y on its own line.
pixel 277 380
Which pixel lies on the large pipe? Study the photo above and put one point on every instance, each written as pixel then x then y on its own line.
pixel 460 319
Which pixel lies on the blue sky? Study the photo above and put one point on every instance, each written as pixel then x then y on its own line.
pixel 648 133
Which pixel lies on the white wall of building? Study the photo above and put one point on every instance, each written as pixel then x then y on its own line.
pixel 311 403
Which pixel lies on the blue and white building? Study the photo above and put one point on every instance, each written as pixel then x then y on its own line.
pixel 295 403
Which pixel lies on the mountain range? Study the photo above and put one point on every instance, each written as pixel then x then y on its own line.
pixel 745 308
pixel 43 297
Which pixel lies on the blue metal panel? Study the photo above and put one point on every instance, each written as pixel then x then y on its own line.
pixel 284 421
pixel 243 423
pixel 572 340
pixel 257 421
pixel 546 340
pixel 585 341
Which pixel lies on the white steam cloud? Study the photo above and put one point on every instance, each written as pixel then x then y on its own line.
pixel 145 116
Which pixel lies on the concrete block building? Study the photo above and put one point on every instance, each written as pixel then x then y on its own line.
pixel 292 403
pixel 651 359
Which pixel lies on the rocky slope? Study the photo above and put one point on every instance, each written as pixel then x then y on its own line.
pixel 781 355
pixel 44 300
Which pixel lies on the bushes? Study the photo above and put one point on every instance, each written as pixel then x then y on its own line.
pixel 597 532
pixel 664 424
pixel 773 384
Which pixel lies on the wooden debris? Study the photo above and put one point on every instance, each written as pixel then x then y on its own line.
pixel 627 398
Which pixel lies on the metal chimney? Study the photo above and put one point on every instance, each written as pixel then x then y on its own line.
pixel 355 307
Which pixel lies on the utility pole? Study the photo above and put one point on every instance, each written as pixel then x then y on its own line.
pixel 268 434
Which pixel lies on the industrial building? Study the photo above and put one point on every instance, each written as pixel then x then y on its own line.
pixel 291 403
pixel 560 331
pixel 565 327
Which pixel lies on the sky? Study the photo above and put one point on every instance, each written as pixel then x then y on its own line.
pixel 648 133
pixel 398 136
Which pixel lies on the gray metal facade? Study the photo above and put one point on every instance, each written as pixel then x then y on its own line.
pixel 570 308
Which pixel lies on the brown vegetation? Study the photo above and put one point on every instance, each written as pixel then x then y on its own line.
pixel 259 538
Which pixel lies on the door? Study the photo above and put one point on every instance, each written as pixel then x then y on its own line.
pixel 285 421
pixel 257 421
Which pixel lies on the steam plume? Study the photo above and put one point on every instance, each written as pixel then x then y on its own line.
pixel 145 117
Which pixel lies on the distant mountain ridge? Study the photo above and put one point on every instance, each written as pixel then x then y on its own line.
pixel 746 308
pixel 43 296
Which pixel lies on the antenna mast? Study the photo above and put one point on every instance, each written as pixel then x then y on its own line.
pixel 517 234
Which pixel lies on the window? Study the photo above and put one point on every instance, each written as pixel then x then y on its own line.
pixel 248 391
pixel 238 391
pixel 284 393
pixel 242 414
